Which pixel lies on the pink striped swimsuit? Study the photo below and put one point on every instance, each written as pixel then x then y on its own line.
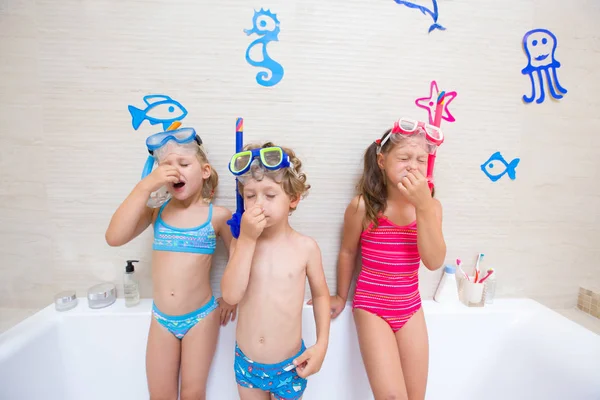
pixel 388 284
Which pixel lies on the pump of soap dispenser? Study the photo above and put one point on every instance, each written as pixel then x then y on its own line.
pixel 130 268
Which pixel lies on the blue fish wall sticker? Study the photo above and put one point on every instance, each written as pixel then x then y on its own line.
pixel 496 167
pixel 160 109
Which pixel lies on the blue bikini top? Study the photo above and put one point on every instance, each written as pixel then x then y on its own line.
pixel 200 239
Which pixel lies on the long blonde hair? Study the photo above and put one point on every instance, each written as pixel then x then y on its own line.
pixel 210 184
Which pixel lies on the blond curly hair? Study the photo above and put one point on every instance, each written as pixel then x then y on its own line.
pixel 293 181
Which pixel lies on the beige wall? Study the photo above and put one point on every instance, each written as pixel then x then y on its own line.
pixel 69 156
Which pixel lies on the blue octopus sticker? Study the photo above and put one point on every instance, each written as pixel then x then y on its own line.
pixel 426 11
pixel 266 25
pixel 540 48
pixel 496 167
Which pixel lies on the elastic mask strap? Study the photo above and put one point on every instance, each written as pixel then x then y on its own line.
pixel 148 167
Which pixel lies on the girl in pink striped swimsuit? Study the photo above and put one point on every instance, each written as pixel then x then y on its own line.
pixel 397 223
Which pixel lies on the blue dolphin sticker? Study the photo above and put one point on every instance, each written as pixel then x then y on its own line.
pixel 426 11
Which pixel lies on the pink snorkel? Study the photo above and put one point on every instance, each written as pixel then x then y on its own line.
pixel 437 120
pixel 436 105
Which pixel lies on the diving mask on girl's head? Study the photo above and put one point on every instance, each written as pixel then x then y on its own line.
pixel 405 128
pixel 256 163
pixel 184 138
pixel 182 141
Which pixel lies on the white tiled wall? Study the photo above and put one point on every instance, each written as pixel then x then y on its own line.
pixel 69 156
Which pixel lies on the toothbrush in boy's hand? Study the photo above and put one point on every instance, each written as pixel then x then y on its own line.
pixel 489 272
pixel 458 262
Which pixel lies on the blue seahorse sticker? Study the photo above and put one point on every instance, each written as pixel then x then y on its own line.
pixel 266 25
pixel 426 11
pixel 160 109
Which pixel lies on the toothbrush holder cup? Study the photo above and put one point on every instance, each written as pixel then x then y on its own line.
pixel 473 293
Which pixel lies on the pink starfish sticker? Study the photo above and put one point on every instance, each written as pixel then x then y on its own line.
pixel 429 103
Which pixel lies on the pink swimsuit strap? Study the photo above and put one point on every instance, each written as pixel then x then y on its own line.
pixel 388 284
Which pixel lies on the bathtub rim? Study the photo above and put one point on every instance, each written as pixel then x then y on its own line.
pixel 48 317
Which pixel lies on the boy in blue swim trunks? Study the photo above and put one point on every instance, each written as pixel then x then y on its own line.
pixel 266 276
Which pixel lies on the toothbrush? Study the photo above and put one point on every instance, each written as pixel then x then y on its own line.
pixel 458 262
pixel 489 272
pixel 479 257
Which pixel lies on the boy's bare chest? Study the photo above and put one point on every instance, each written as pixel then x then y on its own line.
pixel 278 264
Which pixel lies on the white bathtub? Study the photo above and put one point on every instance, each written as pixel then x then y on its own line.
pixel 515 349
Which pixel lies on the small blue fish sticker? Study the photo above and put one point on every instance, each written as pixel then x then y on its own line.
pixel 160 109
pixel 496 167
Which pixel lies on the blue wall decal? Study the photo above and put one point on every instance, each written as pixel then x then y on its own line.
pixel 496 167
pixel 266 25
pixel 540 46
pixel 160 109
pixel 426 11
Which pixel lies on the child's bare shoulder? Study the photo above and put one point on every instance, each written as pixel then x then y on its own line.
pixel 221 213
pixel 305 244
pixel 356 212
pixel 220 216
pixel 357 205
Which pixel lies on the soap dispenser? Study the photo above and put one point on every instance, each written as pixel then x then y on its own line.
pixel 447 290
pixel 131 285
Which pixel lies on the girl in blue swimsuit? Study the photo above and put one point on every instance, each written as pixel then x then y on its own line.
pixel 186 316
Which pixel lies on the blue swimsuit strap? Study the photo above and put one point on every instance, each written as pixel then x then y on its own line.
pixel 160 220
pixel 160 210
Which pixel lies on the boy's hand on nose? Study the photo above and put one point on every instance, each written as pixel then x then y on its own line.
pixel 253 222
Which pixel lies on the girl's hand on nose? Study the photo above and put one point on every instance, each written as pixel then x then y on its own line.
pixel 161 176
pixel 415 188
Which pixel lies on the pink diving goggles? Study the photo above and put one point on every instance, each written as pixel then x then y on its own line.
pixel 405 126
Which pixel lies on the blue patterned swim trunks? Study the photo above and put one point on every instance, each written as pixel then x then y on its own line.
pixel 279 379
